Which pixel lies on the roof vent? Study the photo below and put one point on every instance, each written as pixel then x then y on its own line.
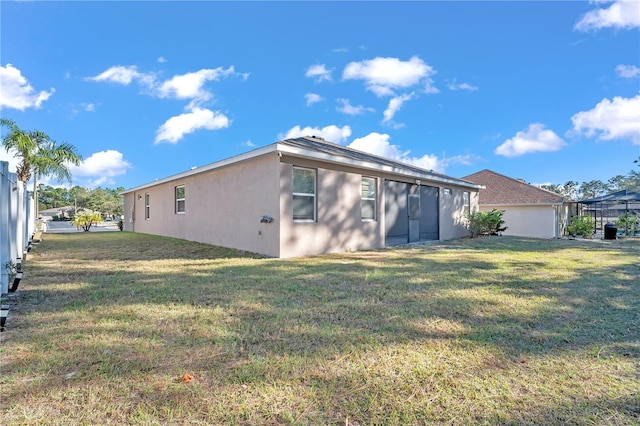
pixel 317 137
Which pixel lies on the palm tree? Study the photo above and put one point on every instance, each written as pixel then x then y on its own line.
pixel 39 155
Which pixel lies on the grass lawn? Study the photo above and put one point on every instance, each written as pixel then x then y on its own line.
pixel 488 331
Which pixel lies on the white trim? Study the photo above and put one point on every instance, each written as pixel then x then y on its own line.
pixel 177 200
pixel 304 194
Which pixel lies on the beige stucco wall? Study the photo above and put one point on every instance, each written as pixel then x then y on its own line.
pixel 338 225
pixel 529 221
pixel 223 207
pixel 453 219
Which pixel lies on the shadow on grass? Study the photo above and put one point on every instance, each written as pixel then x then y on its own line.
pixel 142 295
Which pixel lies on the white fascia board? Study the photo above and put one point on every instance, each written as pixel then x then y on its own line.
pixel 309 154
pixel 218 164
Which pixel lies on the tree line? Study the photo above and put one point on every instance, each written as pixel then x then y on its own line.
pixel 103 200
pixel 572 190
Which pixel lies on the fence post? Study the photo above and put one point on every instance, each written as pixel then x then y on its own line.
pixel 19 221
pixel 30 216
pixel 5 202
pixel 13 218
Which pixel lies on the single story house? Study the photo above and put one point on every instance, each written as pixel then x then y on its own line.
pixel 529 211
pixel 303 196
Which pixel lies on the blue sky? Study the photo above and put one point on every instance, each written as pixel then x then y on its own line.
pixel 544 91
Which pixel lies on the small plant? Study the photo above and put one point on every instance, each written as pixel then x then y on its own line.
pixel 629 223
pixel 582 225
pixel 486 223
pixel 86 220
pixel 11 267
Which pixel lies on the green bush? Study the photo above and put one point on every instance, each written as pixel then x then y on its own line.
pixel 486 223
pixel 582 225
pixel 628 222
pixel 86 220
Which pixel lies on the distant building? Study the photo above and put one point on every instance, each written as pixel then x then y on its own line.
pixel 529 211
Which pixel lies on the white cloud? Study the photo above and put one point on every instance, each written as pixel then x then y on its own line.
pixel 611 119
pixel 90 107
pixel 191 85
pixel 385 75
pixel 120 74
pixel 346 108
pixel 628 71
pixel 319 72
pixel 536 138
pixel 621 14
pixel 197 118
pixel 181 86
pixel 378 144
pixel 331 133
pixel 248 144
pixel 16 91
pixel 312 98
pixel 162 60
pixel 394 106
pixel 340 50
pixel 101 165
pixel 462 86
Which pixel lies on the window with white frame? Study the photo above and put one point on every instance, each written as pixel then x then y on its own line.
pixel 368 198
pixel 446 191
pixel 304 194
pixel 147 209
pixel 180 199
pixel 466 202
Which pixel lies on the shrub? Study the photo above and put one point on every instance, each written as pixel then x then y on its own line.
pixel 582 225
pixel 486 223
pixel 628 222
pixel 85 220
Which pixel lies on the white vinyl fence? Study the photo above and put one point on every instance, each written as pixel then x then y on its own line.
pixel 17 223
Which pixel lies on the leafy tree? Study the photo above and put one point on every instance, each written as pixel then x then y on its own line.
pixel 570 190
pixel 592 189
pixel 633 181
pixel 80 196
pixel 39 154
pixel 616 183
pixel 553 188
pixel 86 220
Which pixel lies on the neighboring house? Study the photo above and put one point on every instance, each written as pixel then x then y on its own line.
pixel 529 211
pixel 64 212
pixel 303 196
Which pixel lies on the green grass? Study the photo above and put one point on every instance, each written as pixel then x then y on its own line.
pixel 484 331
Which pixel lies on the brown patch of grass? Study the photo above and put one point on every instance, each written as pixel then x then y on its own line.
pixel 495 331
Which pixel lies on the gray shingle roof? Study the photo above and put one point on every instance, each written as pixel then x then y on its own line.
pixel 503 190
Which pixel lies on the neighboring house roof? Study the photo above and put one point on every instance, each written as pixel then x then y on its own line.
pixel 502 190
pixel 56 210
pixel 620 197
pixel 314 148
